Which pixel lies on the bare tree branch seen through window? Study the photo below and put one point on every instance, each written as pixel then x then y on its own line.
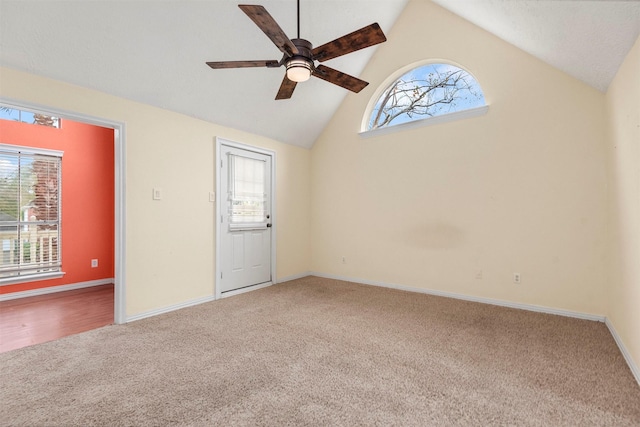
pixel 426 91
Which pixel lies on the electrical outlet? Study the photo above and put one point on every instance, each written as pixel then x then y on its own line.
pixel 157 194
pixel 516 278
pixel 94 263
pixel 479 275
pixel 344 260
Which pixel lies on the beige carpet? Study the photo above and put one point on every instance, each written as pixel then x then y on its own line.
pixel 325 352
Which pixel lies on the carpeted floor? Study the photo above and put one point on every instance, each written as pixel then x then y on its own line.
pixel 324 352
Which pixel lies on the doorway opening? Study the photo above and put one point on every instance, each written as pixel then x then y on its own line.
pixel 118 205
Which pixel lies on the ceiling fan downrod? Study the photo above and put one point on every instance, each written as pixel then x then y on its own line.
pixel 298 18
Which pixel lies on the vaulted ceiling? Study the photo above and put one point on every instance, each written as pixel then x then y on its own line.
pixel 154 52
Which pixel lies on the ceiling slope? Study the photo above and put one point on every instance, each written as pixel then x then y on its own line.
pixel 586 39
pixel 154 52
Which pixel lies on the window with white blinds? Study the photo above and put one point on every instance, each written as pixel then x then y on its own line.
pixel 29 213
pixel 247 191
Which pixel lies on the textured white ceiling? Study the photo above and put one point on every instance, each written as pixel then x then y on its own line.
pixel 154 52
pixel 585 39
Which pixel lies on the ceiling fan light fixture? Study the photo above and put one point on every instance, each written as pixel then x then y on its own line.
pixel 299 70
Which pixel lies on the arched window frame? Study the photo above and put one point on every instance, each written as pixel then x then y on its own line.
pixel 427 121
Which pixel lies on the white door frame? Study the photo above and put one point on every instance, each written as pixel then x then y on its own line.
pixel 119 136
pixel 220 194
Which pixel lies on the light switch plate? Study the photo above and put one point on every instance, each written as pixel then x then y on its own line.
pixel 157 194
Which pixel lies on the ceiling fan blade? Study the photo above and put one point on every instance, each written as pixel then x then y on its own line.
pixel 270 27
pixel 364 37
pixel 339 78
pixel 243 64
pixel 286 88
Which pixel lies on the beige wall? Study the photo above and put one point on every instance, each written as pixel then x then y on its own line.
pixel 170 244
pixel 520 189
pixel 623 111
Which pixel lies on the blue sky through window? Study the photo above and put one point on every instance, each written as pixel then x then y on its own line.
pixel 14 114
pixel 426 91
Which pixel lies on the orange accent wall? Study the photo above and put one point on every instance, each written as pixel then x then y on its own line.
pixel 87 196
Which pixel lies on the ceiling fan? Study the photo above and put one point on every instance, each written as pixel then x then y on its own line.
pixel 300 55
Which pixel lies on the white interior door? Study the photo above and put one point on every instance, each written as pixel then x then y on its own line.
pixel 245 227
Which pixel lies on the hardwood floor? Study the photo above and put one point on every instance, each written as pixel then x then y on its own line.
pixel 34 320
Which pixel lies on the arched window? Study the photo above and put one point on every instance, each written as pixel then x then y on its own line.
pixel 425 91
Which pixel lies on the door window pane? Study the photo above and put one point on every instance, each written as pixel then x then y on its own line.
pixel 247 192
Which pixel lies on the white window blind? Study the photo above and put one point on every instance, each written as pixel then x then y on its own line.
pixel 29 213
pixel 247 192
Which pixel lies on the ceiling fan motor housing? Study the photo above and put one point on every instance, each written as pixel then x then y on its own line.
pixel 304 51
pixel 304 47
pixel 300 66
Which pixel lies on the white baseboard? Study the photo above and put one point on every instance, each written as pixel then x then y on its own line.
pixel 625 353
pixel 294 277
pixel 529 307
pixel 54 289
pixel 210 298
pixel 170 308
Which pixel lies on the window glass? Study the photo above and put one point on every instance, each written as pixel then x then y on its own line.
pixel 247 193
pixel 426 91
pixel 29 214
pixel 14 114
